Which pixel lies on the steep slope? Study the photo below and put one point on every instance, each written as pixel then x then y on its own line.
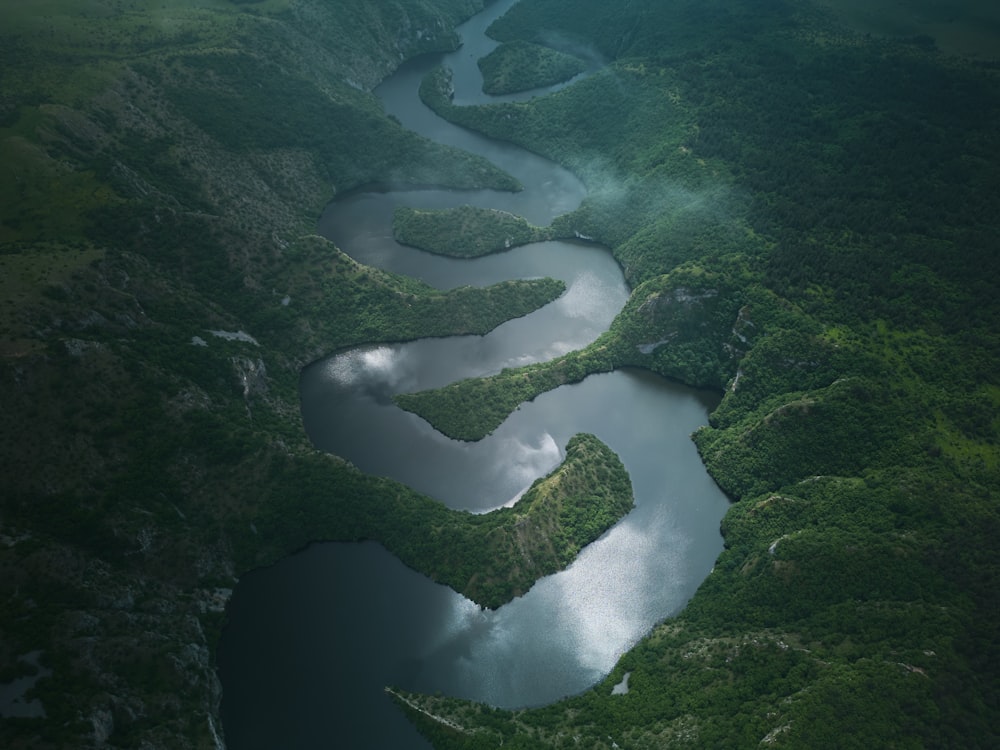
pixel 808 217
pixel 164 167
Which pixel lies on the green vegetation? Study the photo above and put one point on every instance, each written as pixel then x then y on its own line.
pixel 349 303
pixel 342 130
pixel 497 556
pixel 491 557
pixel 167 163
pixel 471 409
pixel 680 325
pixel 650 197
pixel 520 66
pixel 807 217
pixel 464 232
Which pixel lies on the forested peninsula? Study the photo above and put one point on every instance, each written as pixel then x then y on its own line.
pixel 163 287
pixel 806 211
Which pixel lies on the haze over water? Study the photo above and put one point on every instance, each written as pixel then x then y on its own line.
pixel 313 640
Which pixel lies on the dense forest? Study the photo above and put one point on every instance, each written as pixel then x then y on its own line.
pixel 162 289
pixel 806 213
pixel 464 232
pixel 522 66
pixel 808 219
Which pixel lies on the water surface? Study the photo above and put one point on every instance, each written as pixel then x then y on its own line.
pixel 312 641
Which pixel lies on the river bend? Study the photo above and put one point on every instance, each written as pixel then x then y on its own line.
pixel 312 641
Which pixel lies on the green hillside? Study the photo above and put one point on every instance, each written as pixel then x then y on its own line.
pixel 161 286
pixel 808 216
pixel 805 201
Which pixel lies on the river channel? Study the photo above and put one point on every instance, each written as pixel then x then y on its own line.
pixel 312 641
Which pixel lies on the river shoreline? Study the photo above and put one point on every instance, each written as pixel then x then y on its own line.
pixel 567 632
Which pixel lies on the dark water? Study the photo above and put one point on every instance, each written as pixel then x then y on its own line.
pixel 313 640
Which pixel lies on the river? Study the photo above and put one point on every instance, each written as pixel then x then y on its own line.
pixel 312 641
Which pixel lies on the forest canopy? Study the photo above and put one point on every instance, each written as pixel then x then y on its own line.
pixel 806 214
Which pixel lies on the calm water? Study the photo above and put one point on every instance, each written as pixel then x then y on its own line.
pixel 313 640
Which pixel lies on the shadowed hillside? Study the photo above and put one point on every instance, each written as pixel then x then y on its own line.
pixel 806 213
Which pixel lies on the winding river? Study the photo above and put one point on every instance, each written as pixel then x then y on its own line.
pixel 312 641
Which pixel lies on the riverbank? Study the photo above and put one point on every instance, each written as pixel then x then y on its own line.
pixel 160 462
pixel 836 435
pixel 844 186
